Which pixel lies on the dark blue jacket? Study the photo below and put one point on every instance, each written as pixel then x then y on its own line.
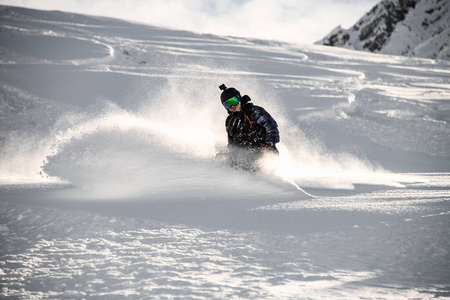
pixel 252 127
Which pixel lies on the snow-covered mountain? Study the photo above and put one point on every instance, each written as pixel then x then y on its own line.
pixel 418 28
pixel 110 187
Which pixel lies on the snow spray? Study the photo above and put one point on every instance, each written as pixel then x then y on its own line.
pixel 165 148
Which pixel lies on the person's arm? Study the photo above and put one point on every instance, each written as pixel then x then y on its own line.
pixel 264 119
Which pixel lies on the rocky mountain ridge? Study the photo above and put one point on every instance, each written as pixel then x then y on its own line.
pixel 419 28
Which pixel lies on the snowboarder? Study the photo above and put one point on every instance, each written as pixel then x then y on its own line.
pixel 251 129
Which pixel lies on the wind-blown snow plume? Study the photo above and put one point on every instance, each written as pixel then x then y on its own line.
pixel 168 148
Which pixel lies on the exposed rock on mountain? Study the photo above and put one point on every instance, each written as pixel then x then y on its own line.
pixel 399 27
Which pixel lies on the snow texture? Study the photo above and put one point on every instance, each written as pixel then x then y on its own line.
pixel 110 186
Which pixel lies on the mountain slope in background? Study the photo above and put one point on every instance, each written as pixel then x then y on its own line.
pixel 399 27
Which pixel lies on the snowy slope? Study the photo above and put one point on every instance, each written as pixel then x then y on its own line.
pixel 412 28
pixel 110 186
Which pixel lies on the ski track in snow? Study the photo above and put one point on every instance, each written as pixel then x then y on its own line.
pixel 109 186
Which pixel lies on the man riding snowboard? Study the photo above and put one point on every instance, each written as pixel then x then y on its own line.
pixel 249 127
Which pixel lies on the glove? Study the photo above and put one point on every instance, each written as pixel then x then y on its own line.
pixel 270 147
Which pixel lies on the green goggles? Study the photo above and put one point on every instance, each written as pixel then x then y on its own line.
pixel 231 102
